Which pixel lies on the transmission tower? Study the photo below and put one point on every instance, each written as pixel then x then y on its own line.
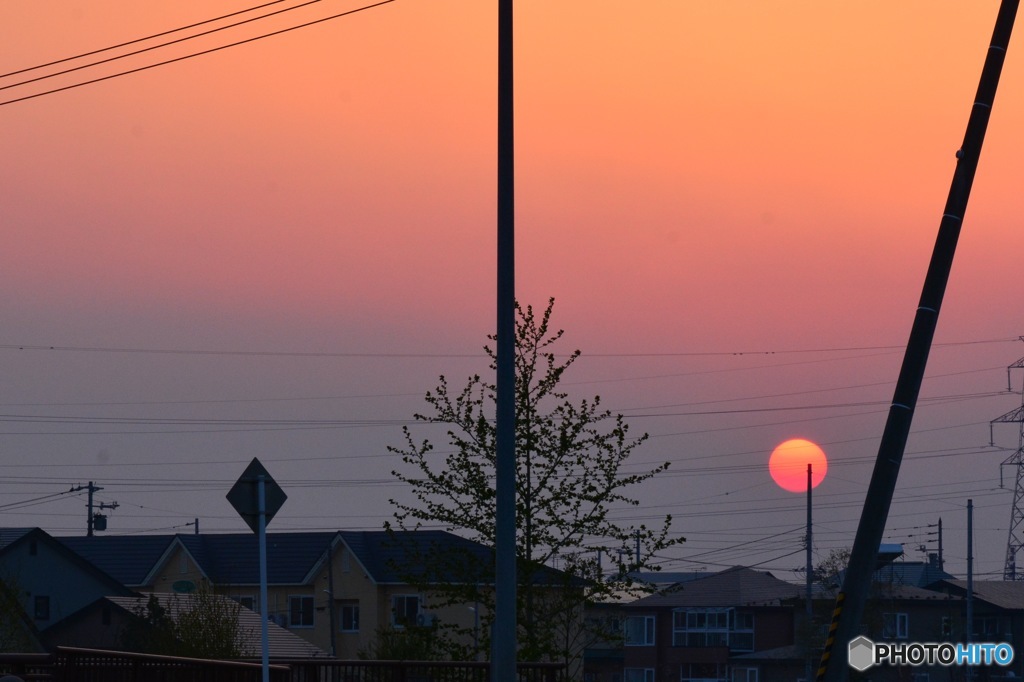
pixel 1016 536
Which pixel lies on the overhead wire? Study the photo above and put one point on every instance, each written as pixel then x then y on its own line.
pixel 194 54
pixel 135 41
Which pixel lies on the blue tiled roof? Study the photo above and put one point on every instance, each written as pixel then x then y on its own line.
pixel 233 558
pixel 382 554
pixel 226 558
pixel 127 558
pixel 431 556
pixel 11 535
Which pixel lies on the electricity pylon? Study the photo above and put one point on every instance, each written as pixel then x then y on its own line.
pixel 1015 540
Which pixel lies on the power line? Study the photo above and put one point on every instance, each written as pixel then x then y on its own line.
pixel 360 354
pixel 135 41
pixel 194 54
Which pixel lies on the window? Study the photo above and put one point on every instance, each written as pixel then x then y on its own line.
pixel 713 627
pixel 404 610
pixel 744 675
pixel 42 607
pixel 346 561
pixel 639 631
pixel 895 625
pixel 705 672
pixel 987 626
pixel 638 674
pixel 247 601
pixel 300 611
pixel 349 617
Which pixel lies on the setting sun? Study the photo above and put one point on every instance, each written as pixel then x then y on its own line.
pixel 788 464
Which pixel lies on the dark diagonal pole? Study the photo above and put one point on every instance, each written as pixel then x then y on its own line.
pixel 850 601
pixel 503 640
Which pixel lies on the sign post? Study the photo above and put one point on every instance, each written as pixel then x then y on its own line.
pixel 257 497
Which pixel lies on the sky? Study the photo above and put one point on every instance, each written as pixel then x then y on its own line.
pixel 274 249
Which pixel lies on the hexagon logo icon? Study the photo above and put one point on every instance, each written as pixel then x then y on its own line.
pixel 861 654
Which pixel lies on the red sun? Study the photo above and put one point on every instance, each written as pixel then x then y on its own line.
pixel 788 464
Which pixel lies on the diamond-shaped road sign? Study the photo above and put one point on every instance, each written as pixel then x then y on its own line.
pixel 244 495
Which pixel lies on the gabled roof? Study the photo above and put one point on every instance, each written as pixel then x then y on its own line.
pixel 12 538
pixel 127 558
pixel 737 586
pixel 9 536
pixel 294 557
pixel 225 558
pixel 233 558
pixel 1005 594
pixel 430 556
pixel 915 573
pixel 382 553
pixel 665 578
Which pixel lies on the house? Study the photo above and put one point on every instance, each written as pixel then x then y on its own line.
pixel 698 629
pixel 101 624
pixel 337 589
pixel 48 581
pixel 914 573
pixel 742 625
pixel 998 614
pixel 892 613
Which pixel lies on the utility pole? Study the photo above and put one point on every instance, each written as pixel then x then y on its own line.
pixel 95 520
pixel 810 573
pixel 849 611
pixel 504 647
pixel 969 628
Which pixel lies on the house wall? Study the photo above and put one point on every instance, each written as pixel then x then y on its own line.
pixel 178 566
pixel 351 587
pixel 38 570
pixel 95 628
pixel 772 628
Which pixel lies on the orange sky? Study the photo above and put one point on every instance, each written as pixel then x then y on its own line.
pixel 692 177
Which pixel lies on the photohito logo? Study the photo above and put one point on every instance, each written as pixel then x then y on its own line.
pixel 863 653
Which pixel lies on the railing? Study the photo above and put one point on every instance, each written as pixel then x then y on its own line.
pixel 71 664
pixel 27 666
pixel 306 670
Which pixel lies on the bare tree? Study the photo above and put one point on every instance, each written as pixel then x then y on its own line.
pixel 569 478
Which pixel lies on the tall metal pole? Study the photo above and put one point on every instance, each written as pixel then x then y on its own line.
pixel 503 636
pixel 810 567
pixel 969 627
pixel 262 533
pixel 850 601
pixel 810 572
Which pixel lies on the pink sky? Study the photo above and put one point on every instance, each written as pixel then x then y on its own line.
pixel 692 177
